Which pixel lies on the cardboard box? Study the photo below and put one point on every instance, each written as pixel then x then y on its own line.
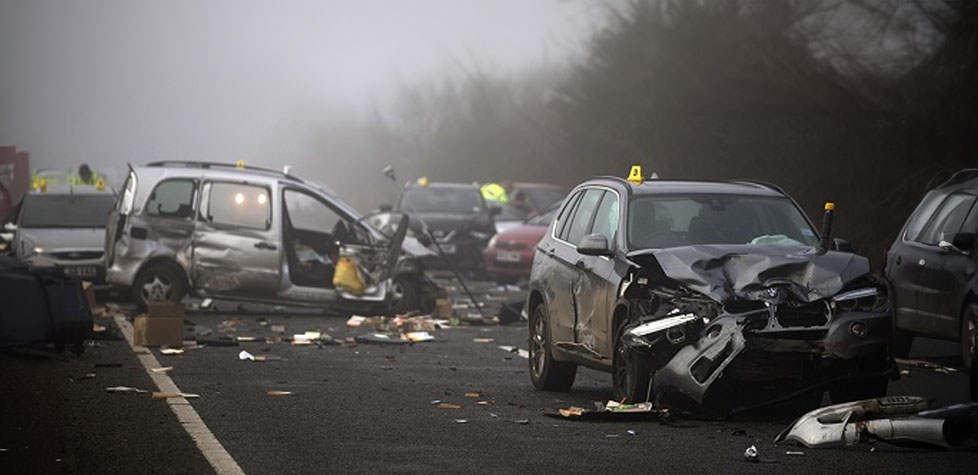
pixel 162 325
pixel 89 294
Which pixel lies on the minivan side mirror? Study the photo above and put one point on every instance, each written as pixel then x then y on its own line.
pixel 843 245
pixel 594 245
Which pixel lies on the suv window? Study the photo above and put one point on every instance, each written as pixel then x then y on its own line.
pixel 948 219
pixel 920 215
pixel 237 204
pixel 172 199
pixel 606 218
pixel 308 213
pixel 583 214
pixel 561 228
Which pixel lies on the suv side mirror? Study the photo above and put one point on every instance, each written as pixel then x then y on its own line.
pixel 385 208
pixel 961 242
pixel 843 245
pixel 594 245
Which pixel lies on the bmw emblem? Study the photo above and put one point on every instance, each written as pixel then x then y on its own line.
pixel 772 292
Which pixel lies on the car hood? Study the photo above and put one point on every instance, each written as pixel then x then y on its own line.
pixel 528 233
pixel 54 239
pixel 748 272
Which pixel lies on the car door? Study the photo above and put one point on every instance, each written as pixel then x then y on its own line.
pixel 236 250
pixel 119 215
pixel 905 259
pixel 960 266
pixel 937 314
pixel 594 286
pixel 567 324
pixel 552 272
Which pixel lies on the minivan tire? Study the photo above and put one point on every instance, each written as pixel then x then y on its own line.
pixel 158 282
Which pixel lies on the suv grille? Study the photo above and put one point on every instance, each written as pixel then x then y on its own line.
pixel 814 314
pixel 77 255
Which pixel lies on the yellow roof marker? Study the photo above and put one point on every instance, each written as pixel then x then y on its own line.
pixel 423 182
pixel 239 164
pixel 635 175
pixel 100 184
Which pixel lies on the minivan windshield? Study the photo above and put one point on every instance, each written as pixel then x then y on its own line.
pixel 441 200
pixel 660 221
pixel 66 211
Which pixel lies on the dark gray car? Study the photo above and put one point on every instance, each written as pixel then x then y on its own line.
pixel 706 294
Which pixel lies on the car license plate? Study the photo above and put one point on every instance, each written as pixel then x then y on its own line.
pixel 507 256
pixel 447 248
pixel 81 271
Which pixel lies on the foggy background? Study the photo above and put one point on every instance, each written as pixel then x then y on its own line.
pixel 864 102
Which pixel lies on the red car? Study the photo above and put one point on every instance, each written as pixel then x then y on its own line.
pixel 509 254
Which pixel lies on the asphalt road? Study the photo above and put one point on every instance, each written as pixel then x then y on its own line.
pixel 374 408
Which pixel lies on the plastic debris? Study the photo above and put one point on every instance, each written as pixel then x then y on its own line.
pixel 793 452
pixel 927 365
pixel 750 454
pixel 612 410
pixel 472 395
pixel 461 421
pixel 631 432
pixel 97 328
pixel 418 337
pixel 279 393
pixel 164 369
pixel 124 389
pixel 171 351
pixel 445 405
pixel 244 355
pixel 482 340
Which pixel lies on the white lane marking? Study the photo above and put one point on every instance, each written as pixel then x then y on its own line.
pixel 213 451
pixel 519 351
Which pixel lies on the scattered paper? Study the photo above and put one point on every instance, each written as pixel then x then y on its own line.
pixel 445 405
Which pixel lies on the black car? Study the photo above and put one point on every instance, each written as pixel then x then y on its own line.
pixel 710 295
pixel 456 216
pixel 931 267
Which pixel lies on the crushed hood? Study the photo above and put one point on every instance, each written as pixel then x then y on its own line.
pixel 745 271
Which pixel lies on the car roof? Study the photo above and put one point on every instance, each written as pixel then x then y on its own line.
pixel 965 179
pixel 178 168
pixel 659 186
pixel 66 190
pixel 537 186
pixel 444 185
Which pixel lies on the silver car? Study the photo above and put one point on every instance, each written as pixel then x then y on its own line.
pixel 64 227
pixel 245 233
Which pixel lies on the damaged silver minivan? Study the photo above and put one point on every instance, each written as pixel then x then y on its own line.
pixel 252 234
pixel 707 295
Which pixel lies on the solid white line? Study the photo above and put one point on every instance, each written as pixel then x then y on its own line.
pixel 213 451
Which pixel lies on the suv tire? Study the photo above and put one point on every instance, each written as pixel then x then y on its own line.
pixel 969 325
pixel 630 370
pixel 406 292
pixel 546 373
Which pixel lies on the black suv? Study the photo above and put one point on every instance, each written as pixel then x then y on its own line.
pixel 710 295
pixel 457 217
pixel 931 267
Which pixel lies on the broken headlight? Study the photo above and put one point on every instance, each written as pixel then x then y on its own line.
pixel 862 300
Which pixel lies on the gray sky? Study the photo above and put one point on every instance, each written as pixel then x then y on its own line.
pixel 109 81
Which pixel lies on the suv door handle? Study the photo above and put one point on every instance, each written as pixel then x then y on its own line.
pixel 266 245
pixel 549 251
pixel 899 259
pixel 580 264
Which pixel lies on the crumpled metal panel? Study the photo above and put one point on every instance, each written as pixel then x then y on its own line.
pixel 744 271
pixel 698 364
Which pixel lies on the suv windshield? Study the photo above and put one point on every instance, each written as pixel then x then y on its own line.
pixel 668 221
pixel 66 211
pixel 440 200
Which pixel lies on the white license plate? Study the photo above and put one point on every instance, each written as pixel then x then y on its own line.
pixel 81 271
pixel 508 256
pixel 447 248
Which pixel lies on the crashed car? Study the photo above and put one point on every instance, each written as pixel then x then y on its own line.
pixel 252 234
pixel 707 295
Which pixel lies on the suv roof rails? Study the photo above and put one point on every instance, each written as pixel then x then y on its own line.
pixel 765 184
pixel 960 176
pixel 228 166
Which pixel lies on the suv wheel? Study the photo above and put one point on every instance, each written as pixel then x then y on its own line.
pixel 158 282
pixel 630 373
pixel 969 325
pixel 546 373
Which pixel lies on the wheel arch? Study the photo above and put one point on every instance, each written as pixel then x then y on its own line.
pixel 165 261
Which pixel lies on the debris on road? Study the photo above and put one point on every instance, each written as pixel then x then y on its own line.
pixel 461 421
pixel 926 365
pixel 612 410
pixel 511 312
pixel 124 389
pixel 244 355
pixel 279 393
pixel 899 420
pixel 161 325
pixel 164 369
pixel 750 454
pixel 482 340
pixel 171 351
pixel 445 405
pixel 157 395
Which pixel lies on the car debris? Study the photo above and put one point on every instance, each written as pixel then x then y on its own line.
pixel 165 369
pixel 171 351
pixel 926 365
pixel 610 411
pixel 279 393
pixel 159 395
pixel 245 356
pixel 898 420
pixel 124 389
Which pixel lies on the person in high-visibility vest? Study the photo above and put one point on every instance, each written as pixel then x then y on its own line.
pixel 85 176
pixel 494 192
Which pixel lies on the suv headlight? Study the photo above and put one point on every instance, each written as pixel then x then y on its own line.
pixel 866 299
